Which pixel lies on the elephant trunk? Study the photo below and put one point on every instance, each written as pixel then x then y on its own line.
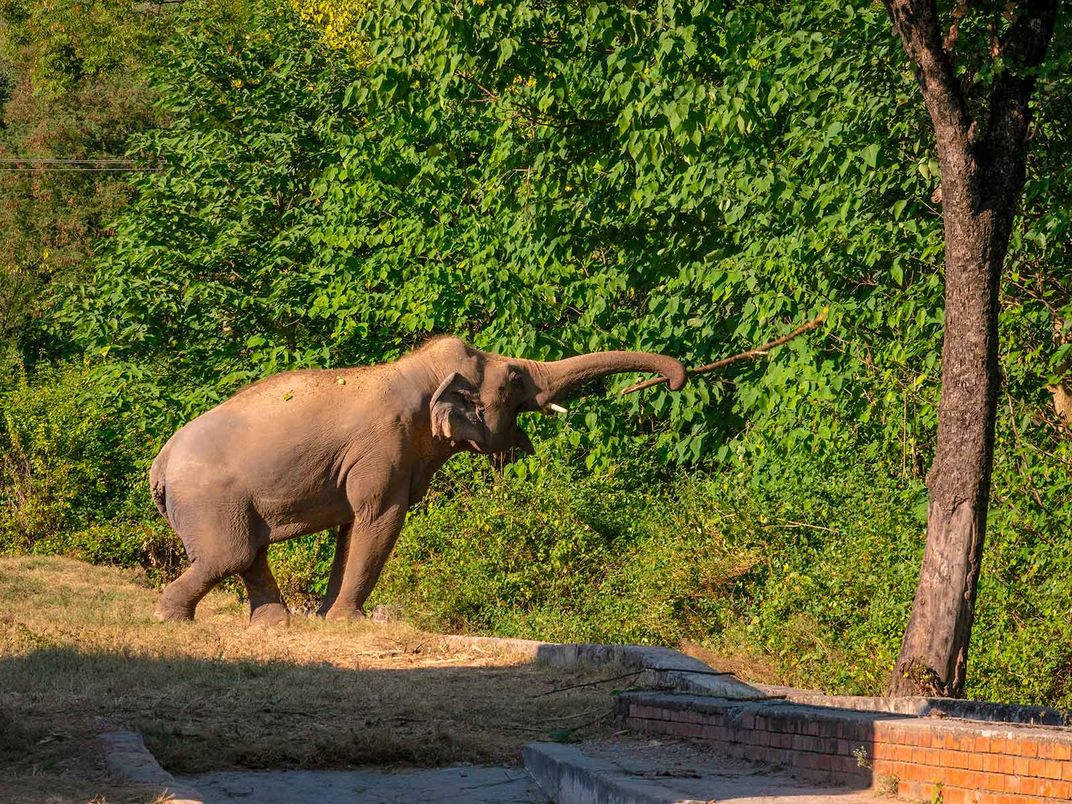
pixel 558 377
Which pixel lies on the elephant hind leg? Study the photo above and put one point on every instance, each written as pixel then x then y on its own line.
pixel 338 565
pixel 181 596
pixel 212 559
pixel 266 606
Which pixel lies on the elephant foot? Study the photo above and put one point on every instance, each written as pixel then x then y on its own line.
pixel 269 615
pixel 170 613
pixel 339 613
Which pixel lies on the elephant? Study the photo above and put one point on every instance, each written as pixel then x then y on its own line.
pixel 307 450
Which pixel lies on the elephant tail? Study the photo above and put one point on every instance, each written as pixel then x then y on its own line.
pixel 157 480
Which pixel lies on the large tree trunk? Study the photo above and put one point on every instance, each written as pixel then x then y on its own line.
pixel 934 652
pixel 982 166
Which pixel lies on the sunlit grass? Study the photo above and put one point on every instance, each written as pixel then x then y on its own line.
pixel 80 653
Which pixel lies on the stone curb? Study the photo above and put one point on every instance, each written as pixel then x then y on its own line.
pixel 658 668
pixel 125 755
pixel 937 708
pixel 569 776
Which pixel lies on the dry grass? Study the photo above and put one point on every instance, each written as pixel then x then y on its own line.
pixel 746 666
pixel 80 652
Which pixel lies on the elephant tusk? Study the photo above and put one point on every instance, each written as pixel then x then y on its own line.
pixel 557 408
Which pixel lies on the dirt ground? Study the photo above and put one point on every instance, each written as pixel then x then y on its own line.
pixel 81 653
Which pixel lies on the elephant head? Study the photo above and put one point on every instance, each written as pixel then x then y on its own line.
pixel 477 403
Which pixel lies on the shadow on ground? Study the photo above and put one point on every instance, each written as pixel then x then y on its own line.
pixel 200 715
pixel 80 653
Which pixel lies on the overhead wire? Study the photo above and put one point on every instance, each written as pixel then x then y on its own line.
pixel 59 165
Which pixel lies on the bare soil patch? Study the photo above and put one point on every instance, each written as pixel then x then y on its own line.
pixel 80 652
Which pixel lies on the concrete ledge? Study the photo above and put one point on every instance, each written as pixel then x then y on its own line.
pixel 657 668
pixel 126 756
pixel 931 707
pixel 670 670
pixel 654 772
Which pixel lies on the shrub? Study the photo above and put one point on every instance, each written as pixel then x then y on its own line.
pixel 724 559
pixel 74 454
pixel 301 568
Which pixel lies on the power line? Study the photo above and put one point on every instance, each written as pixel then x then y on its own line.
pixel 56 160
pixel 78 170
pixel 58 165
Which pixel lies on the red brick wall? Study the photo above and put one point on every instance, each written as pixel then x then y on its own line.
pixel 965 761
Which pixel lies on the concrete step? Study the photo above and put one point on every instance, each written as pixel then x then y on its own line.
pixel 666 772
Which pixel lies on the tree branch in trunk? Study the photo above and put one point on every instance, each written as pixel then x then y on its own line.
pixel 758 351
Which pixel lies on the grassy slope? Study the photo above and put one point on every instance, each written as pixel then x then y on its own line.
pixel 79 652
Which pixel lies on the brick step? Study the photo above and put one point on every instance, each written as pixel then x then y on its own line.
pixel 917 757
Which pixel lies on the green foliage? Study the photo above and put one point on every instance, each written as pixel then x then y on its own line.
pixel 67 42
pixel 814 569
pixel 543 201
pixel 70 71
pixel 207 272
pixel 73 465
pixel 690 180
pixel 544 182
pixel 1022 640
pixel 301 568
pixel 52 440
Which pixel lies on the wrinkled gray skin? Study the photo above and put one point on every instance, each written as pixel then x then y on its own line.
pixel 303 451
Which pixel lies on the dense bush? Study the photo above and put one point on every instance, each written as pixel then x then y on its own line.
pixel 66 458
pixel 71 88
pixel 807 568
pixel 546 181
pixel 419 195
pixel 74 458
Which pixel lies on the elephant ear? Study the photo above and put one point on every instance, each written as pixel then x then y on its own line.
pixel 457 413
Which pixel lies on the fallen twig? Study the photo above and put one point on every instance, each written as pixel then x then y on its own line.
pixel 590 683
pixel 788 523
pixel 636 673
pixel 759 351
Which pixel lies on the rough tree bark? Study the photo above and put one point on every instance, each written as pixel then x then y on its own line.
pixel 982 150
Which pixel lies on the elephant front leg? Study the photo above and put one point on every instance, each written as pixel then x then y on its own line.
pixel 338 566
pixel 367 551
